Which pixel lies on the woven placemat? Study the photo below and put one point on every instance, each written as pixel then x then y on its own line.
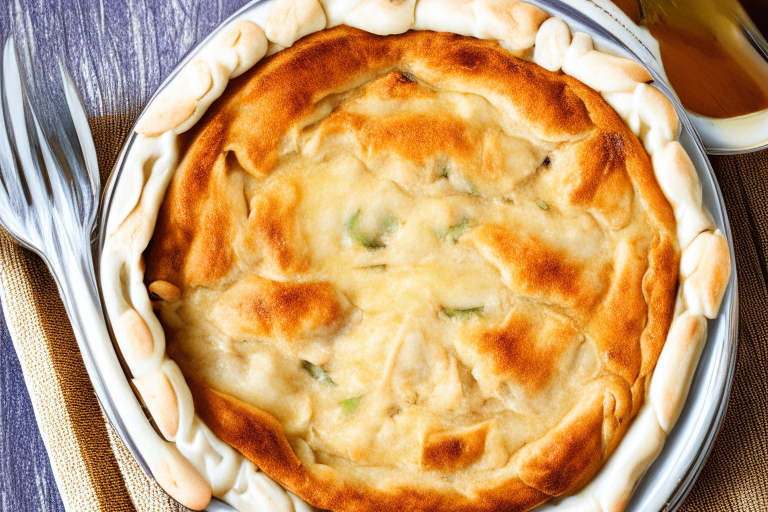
pixel 95 471
pixel 734 478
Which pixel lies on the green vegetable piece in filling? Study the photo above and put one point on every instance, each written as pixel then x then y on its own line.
pixel 366 241
pixel 471 188
pixel 318 373
pixel 454 232
pixel 463 313
pixel 542 204
pixel 349 406
pixel 387 225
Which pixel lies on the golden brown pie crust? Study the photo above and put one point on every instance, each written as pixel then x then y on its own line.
pixel 627 308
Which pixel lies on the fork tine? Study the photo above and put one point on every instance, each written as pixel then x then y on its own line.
pixel 56 180
pixel 59 158
pixel 83 130
pixel 14 187
pixel 24 137
pixel 21 192
pixel 72 137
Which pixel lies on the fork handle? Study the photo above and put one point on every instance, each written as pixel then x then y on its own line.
pixel 76 281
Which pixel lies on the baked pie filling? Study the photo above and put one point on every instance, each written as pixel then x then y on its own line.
pixel 415 271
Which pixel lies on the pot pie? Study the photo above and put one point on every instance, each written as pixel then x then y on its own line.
pixel 424 270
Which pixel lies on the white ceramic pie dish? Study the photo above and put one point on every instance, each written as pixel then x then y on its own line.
pixel 669 479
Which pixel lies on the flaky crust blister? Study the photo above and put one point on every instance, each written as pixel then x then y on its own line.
pixel 704 270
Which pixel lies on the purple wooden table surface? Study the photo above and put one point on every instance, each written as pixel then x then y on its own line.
pixel 118 52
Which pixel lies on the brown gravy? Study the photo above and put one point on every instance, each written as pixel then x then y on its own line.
pixel 708 79
pixel 714 77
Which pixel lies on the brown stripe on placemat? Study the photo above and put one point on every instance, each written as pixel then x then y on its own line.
pixel 734 478
pixel 109 134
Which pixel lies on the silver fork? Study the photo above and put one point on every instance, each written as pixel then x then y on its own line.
pixel 49 201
